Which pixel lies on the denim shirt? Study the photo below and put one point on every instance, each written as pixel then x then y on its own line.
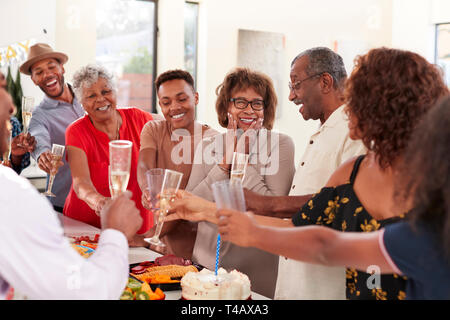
pixel 15 131
pixel 48 125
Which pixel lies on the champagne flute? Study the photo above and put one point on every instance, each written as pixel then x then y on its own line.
pixel 111 190
pixel 57 154
pixel 7 152
pixel 238 166
pixel 119 165
pixel 27 111
pixel 227 194
pixel 171 182
pixel 155 178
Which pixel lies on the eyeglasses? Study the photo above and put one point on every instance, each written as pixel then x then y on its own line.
pixel 240 103
pixel 296 85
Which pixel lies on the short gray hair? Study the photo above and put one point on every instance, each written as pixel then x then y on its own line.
pixel 86 76
pixel 322 59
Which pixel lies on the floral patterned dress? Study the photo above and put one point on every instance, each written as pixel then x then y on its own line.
pixel 339 208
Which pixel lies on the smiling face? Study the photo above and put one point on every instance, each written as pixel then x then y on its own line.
pixel 245 117
pixel 99 100
pixel 307 95
pixel 177 100
pixel 48 74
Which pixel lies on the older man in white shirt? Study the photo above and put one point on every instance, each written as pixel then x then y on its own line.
pixel 36 258
pixel 318 77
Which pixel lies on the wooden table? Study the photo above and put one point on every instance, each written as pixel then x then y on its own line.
pixel 135 255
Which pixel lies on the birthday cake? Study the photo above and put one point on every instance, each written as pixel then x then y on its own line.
pixel 205 285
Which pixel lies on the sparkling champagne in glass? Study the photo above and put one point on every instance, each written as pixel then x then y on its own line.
pixel 119 166
pixel 56 155
pixel 238 166
pixel 7 153
pixel 169 188
pixel 27 110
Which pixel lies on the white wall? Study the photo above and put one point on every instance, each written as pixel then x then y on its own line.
pixel 413 24
pixel 355 25
pixel 412 28
pixel 21 20
pixel 76 33
pixel 350 26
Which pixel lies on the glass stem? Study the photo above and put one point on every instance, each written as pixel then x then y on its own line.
pixel 50 182
pixel 159 225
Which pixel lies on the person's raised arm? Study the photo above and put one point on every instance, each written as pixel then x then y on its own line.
pixel 311 244
pixel 39 129
pixel 274 206
pixel 148 155
pixel 146 161
pixel 52 269
pixel 193 208
pixel 81 179
pixel 20 145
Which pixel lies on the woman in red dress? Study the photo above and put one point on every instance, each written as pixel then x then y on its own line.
pixel 87 145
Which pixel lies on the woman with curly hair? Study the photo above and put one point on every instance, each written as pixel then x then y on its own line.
pixel 387 95
pixel 418 247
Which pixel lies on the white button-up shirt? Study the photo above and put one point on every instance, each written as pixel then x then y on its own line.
pixel 38 261
pixel 327 149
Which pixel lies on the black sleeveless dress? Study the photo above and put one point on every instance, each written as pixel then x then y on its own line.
pixel 339 208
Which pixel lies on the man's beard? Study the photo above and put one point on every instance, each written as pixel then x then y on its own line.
pixel 57 95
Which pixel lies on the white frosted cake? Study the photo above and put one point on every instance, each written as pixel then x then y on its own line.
pixel 205 285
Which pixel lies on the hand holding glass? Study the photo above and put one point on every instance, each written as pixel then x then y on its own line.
pixel 170 185
pixel 119 166
pixel 27 110
pixel 7 153
pixel 57 154
pixel 227 194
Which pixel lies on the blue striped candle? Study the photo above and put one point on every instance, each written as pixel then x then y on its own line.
pixel 217 253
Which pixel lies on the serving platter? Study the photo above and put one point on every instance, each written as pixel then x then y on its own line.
pixel 165 286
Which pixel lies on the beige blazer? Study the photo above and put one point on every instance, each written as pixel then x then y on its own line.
pixel 270 172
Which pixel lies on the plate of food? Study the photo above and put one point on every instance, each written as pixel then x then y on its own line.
pixel 137 290
pixel 164 272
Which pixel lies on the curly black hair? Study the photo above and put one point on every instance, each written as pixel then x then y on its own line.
pixel 423 180
pixel 388 92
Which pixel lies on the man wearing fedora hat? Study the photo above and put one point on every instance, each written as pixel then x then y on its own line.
pixel 57 110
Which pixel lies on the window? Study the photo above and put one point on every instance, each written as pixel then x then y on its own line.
pixel 126 45
pixel 191 38
pixel 442 56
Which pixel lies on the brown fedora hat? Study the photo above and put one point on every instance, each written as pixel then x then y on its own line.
pixel 38 52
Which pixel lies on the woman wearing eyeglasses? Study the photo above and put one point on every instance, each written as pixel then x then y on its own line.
pixel 245 105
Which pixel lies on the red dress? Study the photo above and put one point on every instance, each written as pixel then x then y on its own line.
pixel 83 135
